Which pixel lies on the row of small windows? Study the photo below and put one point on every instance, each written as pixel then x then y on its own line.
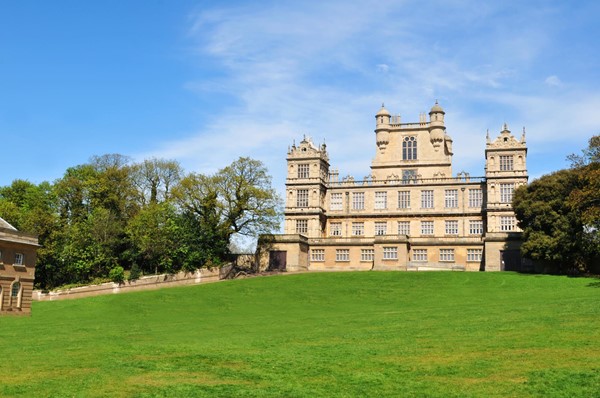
pixel 19 258
pixel 451 227
pixel 391 253
pixel 381 227
pixel 404 199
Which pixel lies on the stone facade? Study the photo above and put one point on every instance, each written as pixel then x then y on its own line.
pixel 410 212
pixel 17 270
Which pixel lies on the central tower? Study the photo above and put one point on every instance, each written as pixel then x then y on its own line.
pixel 410 151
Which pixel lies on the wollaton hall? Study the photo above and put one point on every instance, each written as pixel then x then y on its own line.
pixel 410 213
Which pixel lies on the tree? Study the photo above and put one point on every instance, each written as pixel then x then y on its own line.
pixel 250 205
pixel 238 199
pixel 560 214
pixel 155 178
pixel 155 237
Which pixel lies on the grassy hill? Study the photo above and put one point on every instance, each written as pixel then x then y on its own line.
pixel 328 334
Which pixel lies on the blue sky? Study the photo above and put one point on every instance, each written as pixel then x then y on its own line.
pixel 204 82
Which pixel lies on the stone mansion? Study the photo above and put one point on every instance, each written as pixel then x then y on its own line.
pixel 410 213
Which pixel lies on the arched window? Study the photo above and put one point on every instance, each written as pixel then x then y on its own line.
pixel 15 295
pixel 409 148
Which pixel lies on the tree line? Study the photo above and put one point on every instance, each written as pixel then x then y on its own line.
pixel 560 215
pixel 111 215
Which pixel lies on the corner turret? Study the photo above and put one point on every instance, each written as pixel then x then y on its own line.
pixel 382 128
pixel 438 130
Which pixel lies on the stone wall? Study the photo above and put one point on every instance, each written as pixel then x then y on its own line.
pixel 144 283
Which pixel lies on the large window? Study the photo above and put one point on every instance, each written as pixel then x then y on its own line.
pixel 367 255
pixel 303 170
pixel 451 198
pixel 358 200
pixel 506 192
pixel 446 254
pixel 390 253
pixel 404 200
pixel 335 229
pixel 474 255
pixel 409 148
pixel 451 227
pixel 475 227
pixel 380 227
pixel 342 255
pixel 427 199
pixel 317 255
pixel 380 200
pixel 507 223
pixel 358 228
pixel 403 227
pixel 506 162
pixel 302 198
pixel 302 227
pixel 426 227
pixel 420 255
pixel 475 197
pixel 335 201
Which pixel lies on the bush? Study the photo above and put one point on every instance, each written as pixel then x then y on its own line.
pixel 117 274
pixel 134 273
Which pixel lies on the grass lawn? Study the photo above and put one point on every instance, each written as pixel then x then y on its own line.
pixel 322 334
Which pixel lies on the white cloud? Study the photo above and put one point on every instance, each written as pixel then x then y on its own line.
pixel 383 68
pixel 307 68
pixel 553 81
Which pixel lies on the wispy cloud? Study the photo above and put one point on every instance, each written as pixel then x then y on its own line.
pixel 323 69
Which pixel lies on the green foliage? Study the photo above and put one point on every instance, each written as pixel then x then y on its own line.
pixel 560 215
pixel 110 212
pixel 117 274
pixel 378 334
pixel 134 273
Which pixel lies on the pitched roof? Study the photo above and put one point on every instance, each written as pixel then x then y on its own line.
pixel 5 224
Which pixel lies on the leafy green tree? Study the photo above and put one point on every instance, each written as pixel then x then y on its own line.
pixel 250 206
pixel 560 214
pixel 154 234
pixel 238 199
pixel 155 178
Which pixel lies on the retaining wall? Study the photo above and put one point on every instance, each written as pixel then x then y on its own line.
pixel 144 283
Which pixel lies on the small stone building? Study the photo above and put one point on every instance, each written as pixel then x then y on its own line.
pixel 410 212
pixel 17 270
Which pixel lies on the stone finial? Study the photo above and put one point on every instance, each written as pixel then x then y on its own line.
pixel 523 136
pixel 487 136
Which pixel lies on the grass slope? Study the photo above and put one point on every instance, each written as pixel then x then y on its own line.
pixel 327 334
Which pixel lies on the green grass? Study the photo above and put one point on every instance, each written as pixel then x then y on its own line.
pixel 328 334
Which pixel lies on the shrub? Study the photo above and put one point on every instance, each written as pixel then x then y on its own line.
pixel 134 273
pixel 117 274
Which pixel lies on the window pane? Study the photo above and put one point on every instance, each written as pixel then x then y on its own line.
pixel 427 199
pixel 358 200
pixel 404 199
pixel 302 198
pixel 380 200
pixel 335 201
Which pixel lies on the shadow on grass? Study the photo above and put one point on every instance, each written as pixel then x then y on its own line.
pixel 594 284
